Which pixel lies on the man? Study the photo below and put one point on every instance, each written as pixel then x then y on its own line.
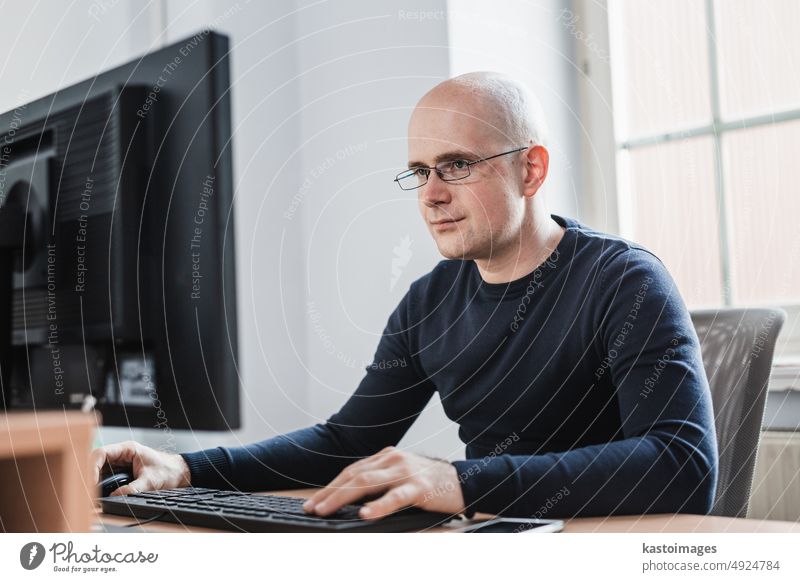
pixel 566 356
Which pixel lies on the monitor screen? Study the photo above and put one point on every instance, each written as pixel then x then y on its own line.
pixel 117 272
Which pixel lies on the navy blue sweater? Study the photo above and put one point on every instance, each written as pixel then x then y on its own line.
pixel 578 389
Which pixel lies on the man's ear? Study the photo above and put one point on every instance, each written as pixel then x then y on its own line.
pixel 537 162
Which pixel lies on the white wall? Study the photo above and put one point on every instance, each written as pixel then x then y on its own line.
pixel 50 44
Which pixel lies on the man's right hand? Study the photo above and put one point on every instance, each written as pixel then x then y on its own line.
pixel 151 469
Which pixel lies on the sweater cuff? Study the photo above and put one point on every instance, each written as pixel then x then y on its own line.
pixel 467 491
pixel 209 468
pixel 485 485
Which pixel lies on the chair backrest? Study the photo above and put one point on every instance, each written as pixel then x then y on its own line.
pixel 737 347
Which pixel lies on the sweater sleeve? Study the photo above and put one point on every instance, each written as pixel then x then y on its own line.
pixel 388 400
pixel 665 459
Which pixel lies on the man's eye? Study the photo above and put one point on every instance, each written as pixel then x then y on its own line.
pixel 460 164
pixel 421 172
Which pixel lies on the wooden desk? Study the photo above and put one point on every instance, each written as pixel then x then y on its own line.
pixel 44 469
pixel 683 523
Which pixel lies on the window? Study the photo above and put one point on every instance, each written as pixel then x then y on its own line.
pixel 707 129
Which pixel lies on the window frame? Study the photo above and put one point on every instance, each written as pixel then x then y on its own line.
pixel 605 195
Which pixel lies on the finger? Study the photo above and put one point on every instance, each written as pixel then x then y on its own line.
pixel 117 454
pixel 397 498
pixel 367 483
pixel 136 486
pixel 387 457
pixel 380 460
pixel 98 459
pixel 347 474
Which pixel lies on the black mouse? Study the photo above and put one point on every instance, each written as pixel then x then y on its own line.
pixel 112 482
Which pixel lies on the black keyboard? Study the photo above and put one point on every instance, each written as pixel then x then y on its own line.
pixel 250 512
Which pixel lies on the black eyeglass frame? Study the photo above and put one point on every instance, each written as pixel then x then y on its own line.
pixel 405 173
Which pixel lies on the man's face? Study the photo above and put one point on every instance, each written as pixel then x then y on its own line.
pixel 488 206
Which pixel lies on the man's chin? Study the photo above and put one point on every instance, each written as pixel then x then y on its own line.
pixel 454 245
pixel 449 252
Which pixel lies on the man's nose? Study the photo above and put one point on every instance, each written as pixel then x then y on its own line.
pixel 435 191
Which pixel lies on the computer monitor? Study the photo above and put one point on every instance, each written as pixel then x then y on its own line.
pixel 116 244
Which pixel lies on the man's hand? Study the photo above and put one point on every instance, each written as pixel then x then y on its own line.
pixel 404 479
pixel 151 469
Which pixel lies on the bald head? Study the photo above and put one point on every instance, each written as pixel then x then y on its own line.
pixel 491 126
pixel 503 110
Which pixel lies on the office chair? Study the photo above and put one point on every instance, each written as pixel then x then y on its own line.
pixel 737 347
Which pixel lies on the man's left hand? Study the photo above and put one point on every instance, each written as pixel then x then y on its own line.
pixel 402 479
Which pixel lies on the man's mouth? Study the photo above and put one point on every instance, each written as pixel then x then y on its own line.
pixel 445 223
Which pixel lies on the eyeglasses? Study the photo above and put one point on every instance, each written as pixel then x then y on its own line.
pixel 448 171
